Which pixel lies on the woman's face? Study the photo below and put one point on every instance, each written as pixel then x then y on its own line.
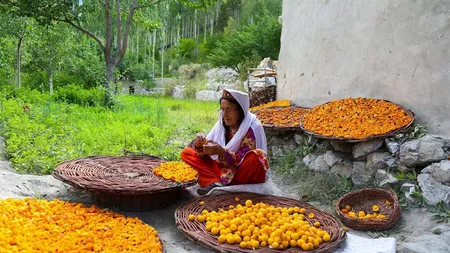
pixel 230 114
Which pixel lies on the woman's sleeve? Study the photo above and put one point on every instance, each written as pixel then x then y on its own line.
pixel 234 158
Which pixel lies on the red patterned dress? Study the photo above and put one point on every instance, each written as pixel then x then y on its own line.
pixel 245 166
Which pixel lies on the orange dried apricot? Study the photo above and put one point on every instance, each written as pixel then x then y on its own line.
pixel 356 118
pixel 282 117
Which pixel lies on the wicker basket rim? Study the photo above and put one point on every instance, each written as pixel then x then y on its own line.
pixel 370 224
pixel 372 137
pixel 67 179
pixel 197 236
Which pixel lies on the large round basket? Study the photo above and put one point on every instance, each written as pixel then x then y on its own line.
pixel 121 182
pixel 364 200
pixel 196 231
pixel 274 127
pixel 373 137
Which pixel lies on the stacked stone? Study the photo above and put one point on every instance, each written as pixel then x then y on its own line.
pixel 377 161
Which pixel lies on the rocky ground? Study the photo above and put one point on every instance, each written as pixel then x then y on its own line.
pixel 417 230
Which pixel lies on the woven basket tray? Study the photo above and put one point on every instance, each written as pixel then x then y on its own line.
pixel 280 128
pixel 196 231
pixel 373 137
pixel 121 182
pixel 290 104
pixel 363 200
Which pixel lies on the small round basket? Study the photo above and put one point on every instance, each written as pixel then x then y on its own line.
pixel 121 182
pixel 364 200
pixel 369 138
pixel 280 127
pixel 196 231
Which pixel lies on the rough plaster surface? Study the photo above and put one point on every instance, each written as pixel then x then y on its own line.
pixel 397 50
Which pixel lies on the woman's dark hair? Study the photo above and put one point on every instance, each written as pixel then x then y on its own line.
pixel 238 107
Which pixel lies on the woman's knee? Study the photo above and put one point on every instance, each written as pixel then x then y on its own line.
pixel 251 158
pixel 186 153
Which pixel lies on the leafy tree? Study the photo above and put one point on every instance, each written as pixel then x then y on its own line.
pixel 85 62
pixel 6 59
pixel 49 47
pixel 117 17
pixel 252 9
pixel 229 9
pixel 74 14
pixel 187 48
pixel 198 4
pixel 262 39
pixel 13 25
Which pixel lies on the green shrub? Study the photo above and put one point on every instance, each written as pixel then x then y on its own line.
pixel 88 65
pixel 187 48
pixel 190 71
pixel 206 48
pixel 168 86
pixel 36 80
pixel 64 78
pixel 75 94
pixel 138 72
pixel 148 84
pixel 193 86
pixel 247 62
pixel 23 95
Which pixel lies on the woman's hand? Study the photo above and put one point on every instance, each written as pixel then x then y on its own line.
pixel 199 140
pixel 213 148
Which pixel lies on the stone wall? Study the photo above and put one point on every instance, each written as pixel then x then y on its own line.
pixel 391 49
pixel 423 162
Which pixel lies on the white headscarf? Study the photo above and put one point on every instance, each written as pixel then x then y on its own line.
pixel 217 134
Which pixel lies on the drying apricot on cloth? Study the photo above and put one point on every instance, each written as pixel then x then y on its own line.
pixel 32 225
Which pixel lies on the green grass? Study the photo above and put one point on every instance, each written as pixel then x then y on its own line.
pixel 52 132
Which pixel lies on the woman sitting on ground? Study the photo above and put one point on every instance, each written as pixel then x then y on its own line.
pixel 234 152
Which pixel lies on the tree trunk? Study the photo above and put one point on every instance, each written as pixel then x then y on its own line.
pixel 188 27
pixel 163 35
pixel 204 28
pixel 177 40
pixel 195 25
pixel 109 58
pixel 149 46
pixel 131 47
pixel 211 24
pixel 137 45
pixel 110 68
pixel 217 10
pixel 19 45
pixel 50 71
pixel 196 32
pixel 154 44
